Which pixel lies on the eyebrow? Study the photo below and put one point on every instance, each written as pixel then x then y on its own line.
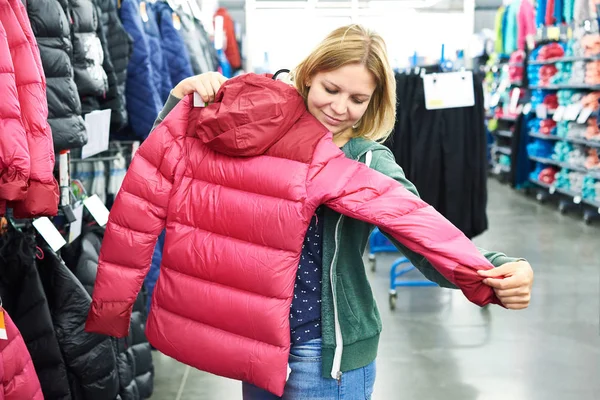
pixel 355 94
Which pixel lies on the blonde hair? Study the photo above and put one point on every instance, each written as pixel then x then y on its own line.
pixel 354 44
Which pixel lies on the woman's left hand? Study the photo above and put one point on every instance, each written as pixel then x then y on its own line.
pixel 512 283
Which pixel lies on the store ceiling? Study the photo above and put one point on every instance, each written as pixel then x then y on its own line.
pixel 442 5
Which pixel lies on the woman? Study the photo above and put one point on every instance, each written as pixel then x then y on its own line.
pixel 348 86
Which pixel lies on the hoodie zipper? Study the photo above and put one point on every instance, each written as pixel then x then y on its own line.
pixel 336 372
pixel 336 369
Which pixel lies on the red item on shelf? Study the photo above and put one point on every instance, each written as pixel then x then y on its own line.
pixel 547 125
pixel 548 175
pixel 550 51
pixel 551 101
pixel 546 73
pixel 516 69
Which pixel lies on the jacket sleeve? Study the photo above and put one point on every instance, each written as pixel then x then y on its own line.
pixel 384 162
pixel 170 104
pixel 355 190
pixel 14 155
pixel 136 219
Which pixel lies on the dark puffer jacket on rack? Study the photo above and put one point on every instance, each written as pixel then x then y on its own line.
pixel 118 48
pixel 52 30
pixel 175 53
pixel 91 103
pixel 24 299
pixel 143 96
pixel 134 355
pixel 203 56
pixel 90 358
pixel 88 55
pixel 160 69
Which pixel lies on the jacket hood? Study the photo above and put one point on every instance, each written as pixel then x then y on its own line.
pixel 251 112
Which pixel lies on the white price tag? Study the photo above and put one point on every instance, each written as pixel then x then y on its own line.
pixel 527 108
pixel 75 227
pixel 49 232
pixel 558 115
pixel 584 115
pixel 541 110
pixel 449 90
pixel 198 102
pixel 97 208
pixel 572 111
pixel 97 124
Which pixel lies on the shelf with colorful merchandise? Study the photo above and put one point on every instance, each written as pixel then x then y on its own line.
pixel 562 127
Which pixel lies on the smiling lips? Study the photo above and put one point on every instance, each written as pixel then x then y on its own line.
pixel 332 121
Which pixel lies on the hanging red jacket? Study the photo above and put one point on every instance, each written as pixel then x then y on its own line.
pixel 42 193
pixel 232 51
pixel 14 155
pixel 236 185
pixel 18 379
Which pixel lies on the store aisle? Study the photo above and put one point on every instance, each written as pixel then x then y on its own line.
pixel 436 345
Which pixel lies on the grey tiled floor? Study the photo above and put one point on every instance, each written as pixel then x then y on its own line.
pixel 436 345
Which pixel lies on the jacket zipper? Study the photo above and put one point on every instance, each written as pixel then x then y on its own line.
pixel 336 372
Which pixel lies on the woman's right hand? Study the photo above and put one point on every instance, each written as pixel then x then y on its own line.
pixel 206 85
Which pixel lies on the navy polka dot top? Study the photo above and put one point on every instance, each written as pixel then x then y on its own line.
pixel 305 312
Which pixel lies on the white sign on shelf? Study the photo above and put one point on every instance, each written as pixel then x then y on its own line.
pixel 558 114
pixel 572 111
pixel 97 124
pixel 449 90
pixel 584 115
pixel 542 111
pixel 97 208
pixel 75 226
pixel 49 232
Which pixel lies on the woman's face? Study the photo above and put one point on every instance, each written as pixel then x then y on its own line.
pixel 339 98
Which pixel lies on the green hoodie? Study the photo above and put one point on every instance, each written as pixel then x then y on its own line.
pixel 344 243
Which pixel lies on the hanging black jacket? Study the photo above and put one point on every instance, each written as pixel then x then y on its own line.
pixel 24 299
pixel 134 355
pixel 443 153
pixel 90 358
pixel 52 30
pixel 88 55
pixel 116 46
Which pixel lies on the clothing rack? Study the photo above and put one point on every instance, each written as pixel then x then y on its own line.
pixel 443 151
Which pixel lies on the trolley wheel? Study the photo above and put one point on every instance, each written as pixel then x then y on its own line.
pixel 562 208
pixel 393 297
pixel 372 262
pixel 587 219
pixel 539 197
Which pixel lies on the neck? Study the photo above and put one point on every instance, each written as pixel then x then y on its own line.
pixel 342 138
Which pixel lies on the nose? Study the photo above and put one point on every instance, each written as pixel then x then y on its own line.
pixel 339 106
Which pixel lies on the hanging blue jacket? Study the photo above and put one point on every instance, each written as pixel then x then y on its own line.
pixel 160 69
pixel 143 95
pixel 154 272
pixel 175 53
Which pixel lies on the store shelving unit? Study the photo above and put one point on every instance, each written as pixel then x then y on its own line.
pixel 568 199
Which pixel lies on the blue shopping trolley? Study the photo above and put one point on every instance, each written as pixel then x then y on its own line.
pixel 380 244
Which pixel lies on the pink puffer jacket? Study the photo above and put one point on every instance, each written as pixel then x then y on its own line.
pixel 18 379
pixel 14 155
pixel 236 184
pixel 42 192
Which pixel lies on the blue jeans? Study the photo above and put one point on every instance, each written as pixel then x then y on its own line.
pixel 306 383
